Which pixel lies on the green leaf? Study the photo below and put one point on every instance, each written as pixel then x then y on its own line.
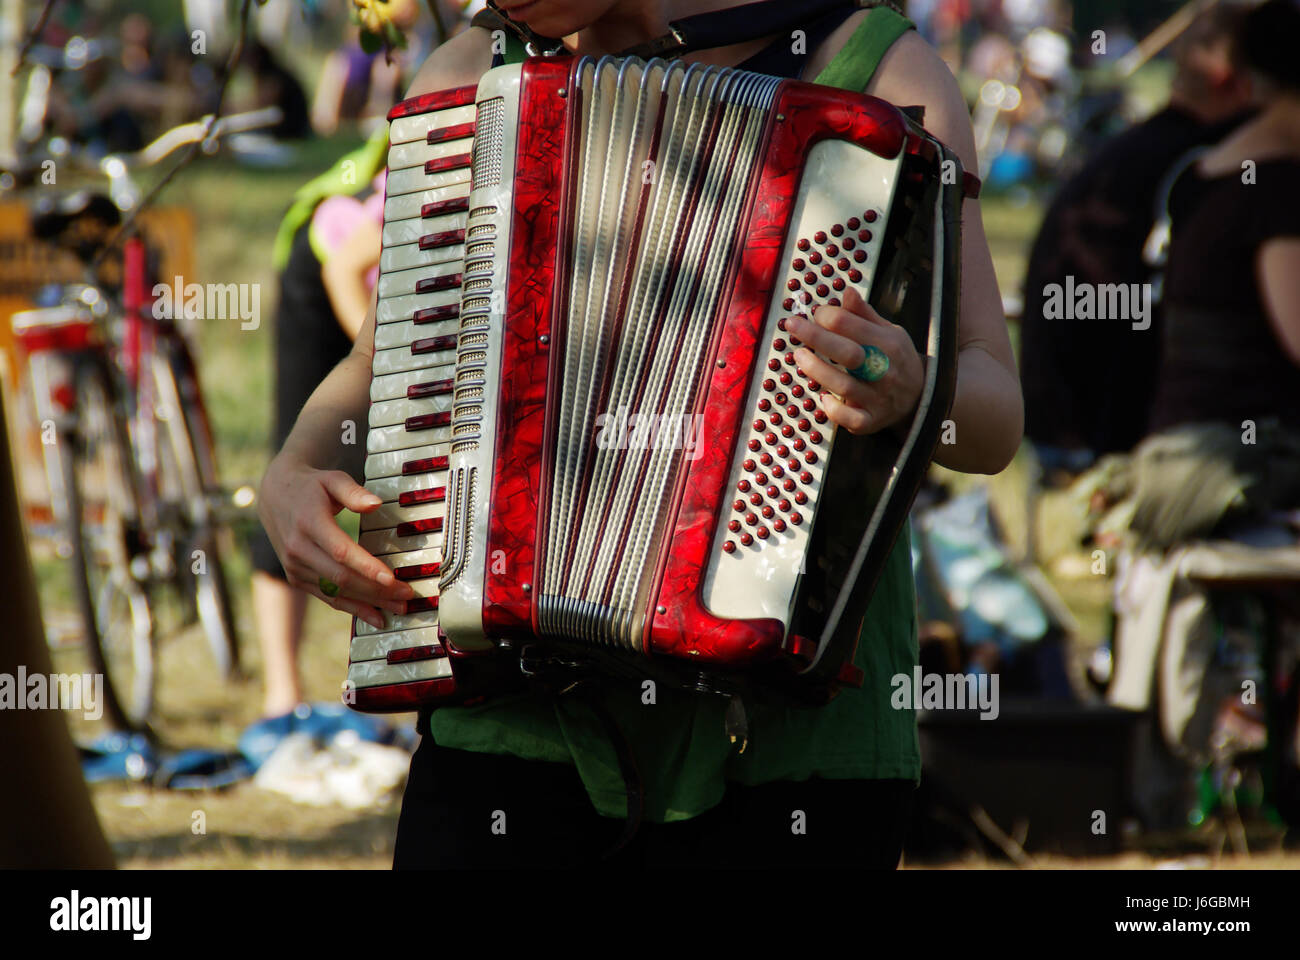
pixel 371 43
pixel 394 36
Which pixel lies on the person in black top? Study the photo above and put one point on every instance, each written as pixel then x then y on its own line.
pixel 1088 383
pixel 1232 287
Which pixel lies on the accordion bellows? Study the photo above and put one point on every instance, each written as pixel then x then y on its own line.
pixel 587 423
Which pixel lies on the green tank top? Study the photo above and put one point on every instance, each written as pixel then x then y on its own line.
pixel 679 742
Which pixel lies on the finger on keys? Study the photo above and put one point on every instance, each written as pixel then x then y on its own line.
pixel 348 493
pixel 832 336
pixel 359 610
pixel 347 553
pixel 352 585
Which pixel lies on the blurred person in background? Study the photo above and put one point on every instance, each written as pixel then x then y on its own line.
pixel 353 86
pixel 1232 283
pixel 1222 461
pixel 276 86
pixel 327 252
pixel 1089 384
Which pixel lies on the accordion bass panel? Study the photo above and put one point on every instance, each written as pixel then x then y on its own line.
pixel 636 470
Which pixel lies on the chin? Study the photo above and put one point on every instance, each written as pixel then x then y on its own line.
pixel 553 18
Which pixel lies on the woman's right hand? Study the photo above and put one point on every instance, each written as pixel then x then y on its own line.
pixel 297 504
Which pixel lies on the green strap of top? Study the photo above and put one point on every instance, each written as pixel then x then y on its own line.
pixel 514 52
pixel 857 61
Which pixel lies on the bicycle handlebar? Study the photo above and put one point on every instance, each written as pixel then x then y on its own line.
pixel 202 130
pixel 116 166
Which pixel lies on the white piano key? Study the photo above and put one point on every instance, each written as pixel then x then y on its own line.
pixel 391 412
pixel 415 152
pixel 384 543
pixel 402 359
pixel 389 463
pixel 390 515
pixel 415 558
pixel 403 282
pixel 390 488
pixel 394 334
pixel 382 439
pixel 394 621
pixel 408 206
pixel 455 183
pixel 391 309
pixel 374 673
pixel 406 256
pixel 394 386
pixel 406 129
pixel 411 229
pixel 376 646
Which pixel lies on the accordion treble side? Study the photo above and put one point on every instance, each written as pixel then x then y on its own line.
pixel 636 471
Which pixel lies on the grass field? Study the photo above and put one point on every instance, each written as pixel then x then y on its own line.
pixel 236 212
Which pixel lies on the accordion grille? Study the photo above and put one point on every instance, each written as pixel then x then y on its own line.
pixel 666 159
pixel 489 134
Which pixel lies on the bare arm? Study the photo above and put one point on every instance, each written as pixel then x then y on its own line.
pixel 989 410
pixel 1279 285
pixel 304 488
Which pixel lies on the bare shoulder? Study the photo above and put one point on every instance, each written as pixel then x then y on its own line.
pixel 834 44
pixel 460 61
pixel 913 74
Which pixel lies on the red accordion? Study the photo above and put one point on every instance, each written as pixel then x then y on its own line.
pixel 587 424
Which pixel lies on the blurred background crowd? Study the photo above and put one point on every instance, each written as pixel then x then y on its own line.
pixel 1127 578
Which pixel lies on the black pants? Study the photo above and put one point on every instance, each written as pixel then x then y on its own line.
pixel 465 809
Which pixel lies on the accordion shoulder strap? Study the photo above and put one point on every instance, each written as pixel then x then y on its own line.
pixel 856 63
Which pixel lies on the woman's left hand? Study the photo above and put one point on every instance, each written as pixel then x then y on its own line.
pixel 839 334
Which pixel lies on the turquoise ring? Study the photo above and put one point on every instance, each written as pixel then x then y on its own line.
pixel 875 365
pixel 328 587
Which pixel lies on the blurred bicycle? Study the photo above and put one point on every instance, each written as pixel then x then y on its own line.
pixel 127 443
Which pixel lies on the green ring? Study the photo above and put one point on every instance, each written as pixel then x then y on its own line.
pixel 874 366
pixel 328 587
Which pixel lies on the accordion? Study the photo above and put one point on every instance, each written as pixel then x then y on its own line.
pixel 587 425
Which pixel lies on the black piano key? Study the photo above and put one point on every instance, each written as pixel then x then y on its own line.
pixel 433 314
pixel 416 571
pixel 457 132
pixel 427 421
pixel 413 528
pixel 441 208
pixel 430 495
pixel 448 238
pixel 434 284
pixel 459 161
pixel 426 465
pixel 434 344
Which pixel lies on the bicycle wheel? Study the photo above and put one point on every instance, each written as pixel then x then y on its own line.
pixel 109 570
pixel 188 457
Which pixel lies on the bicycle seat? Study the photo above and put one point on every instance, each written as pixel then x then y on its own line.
pixel 53 217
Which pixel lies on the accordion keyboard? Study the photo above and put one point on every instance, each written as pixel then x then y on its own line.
pixel 417 319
